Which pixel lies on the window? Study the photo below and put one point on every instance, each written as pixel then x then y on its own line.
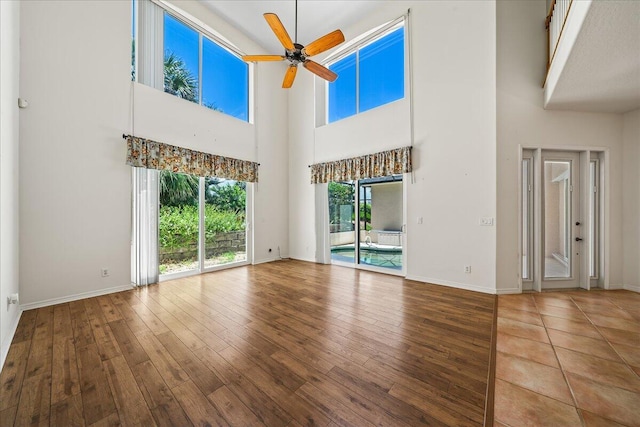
pixel 527 216
pixel 196 64
pixel 370 76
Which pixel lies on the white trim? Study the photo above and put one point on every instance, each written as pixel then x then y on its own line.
pixel 632 288
pixel 378 269
pixel 9 338
pixel 199 26
pixel 452 284
pixel 266 260
pixel 302 259
pixel 75 297
pixel 508 291
pixel 614 287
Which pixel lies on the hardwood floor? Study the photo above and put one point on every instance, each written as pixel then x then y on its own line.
pixel 280 344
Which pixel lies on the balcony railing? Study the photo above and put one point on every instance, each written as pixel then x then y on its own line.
pixel 555 24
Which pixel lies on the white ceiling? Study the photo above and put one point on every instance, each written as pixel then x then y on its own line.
pixel 315 18
pixel 602 73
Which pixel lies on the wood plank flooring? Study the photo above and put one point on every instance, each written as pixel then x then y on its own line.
pixel 287 343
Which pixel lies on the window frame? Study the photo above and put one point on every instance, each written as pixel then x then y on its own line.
pixel 355 46
pixel 203 30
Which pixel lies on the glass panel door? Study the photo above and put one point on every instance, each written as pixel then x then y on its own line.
pixel 342 233
pixel 560 220
pixel 224 222
pixel 376 206
pixel 381 222
pixel 178 223
pixel 202 224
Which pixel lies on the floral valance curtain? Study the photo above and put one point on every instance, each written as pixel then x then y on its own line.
pixel 374 165
pixel 145 153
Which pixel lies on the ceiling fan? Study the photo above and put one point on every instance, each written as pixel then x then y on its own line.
pixel 296 53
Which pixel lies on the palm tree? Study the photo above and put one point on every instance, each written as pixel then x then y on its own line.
pixel 178 189
pixel 178 80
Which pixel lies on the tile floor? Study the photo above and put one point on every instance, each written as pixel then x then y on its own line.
pixel 568 359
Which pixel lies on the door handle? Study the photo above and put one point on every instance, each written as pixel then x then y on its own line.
pixel 578 239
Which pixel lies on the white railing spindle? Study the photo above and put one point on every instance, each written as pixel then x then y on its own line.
pixel 554 24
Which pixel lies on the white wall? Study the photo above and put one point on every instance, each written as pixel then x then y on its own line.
pixel 631 200
pixel 302 214
pixel 521 62
pixel 75 187
pixel 9 135
pixel 454 150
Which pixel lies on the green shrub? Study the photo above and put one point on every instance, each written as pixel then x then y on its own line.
pixel 178 225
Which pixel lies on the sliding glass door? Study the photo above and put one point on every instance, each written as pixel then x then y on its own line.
pixel 366 223
pixel 201 224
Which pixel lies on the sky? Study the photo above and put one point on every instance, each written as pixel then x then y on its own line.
pixel 381 77
pixel 380 66
pixel 225 77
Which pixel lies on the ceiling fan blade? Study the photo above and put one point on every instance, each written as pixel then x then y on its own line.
pixel 289 76
pixel 324 43
pixel 320 70
pixel 253 58
pixel 279 30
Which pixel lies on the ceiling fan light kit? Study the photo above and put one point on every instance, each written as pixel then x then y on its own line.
pixel 296 53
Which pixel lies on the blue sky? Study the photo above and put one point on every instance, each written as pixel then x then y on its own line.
pixel 224 75
pixel 381 69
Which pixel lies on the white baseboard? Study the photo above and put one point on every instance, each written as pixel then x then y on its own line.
pixel 61 300
pixel 304 259
pixel 265 260
pixel 452 284
pixel 4 351
pixel 508 291
pixel 614 286
pixel 633 288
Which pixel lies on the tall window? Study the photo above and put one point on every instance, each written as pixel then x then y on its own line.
pixel 197 65
pixel 370 76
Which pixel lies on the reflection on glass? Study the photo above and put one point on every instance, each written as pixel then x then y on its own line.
pixel 557 217
pixel 225 81
pixel 381 71
pixel 593 219
pixel 224 222
pixel 178 222
pixel 380 211
pixel 525 219
pixel 181 59
pixel 342 92
pixel 341 219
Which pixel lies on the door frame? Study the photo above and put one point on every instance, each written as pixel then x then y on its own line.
pixel 586 154
pixel 201 240
pixel 575 254
pixel 326 252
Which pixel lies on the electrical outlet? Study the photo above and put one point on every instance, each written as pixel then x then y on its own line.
pixel 104 272
pixel 467 269
pixel 486 221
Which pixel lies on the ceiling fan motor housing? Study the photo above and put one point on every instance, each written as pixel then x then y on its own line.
pixel 296 56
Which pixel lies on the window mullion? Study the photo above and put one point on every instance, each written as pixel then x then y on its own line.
pixel 201 224
pixel 200 80
pixel 357 81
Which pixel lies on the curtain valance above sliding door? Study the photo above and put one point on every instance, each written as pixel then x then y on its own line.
pixel 145 153
pixel 384 163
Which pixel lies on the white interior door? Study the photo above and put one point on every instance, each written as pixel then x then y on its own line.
pixel 561 226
